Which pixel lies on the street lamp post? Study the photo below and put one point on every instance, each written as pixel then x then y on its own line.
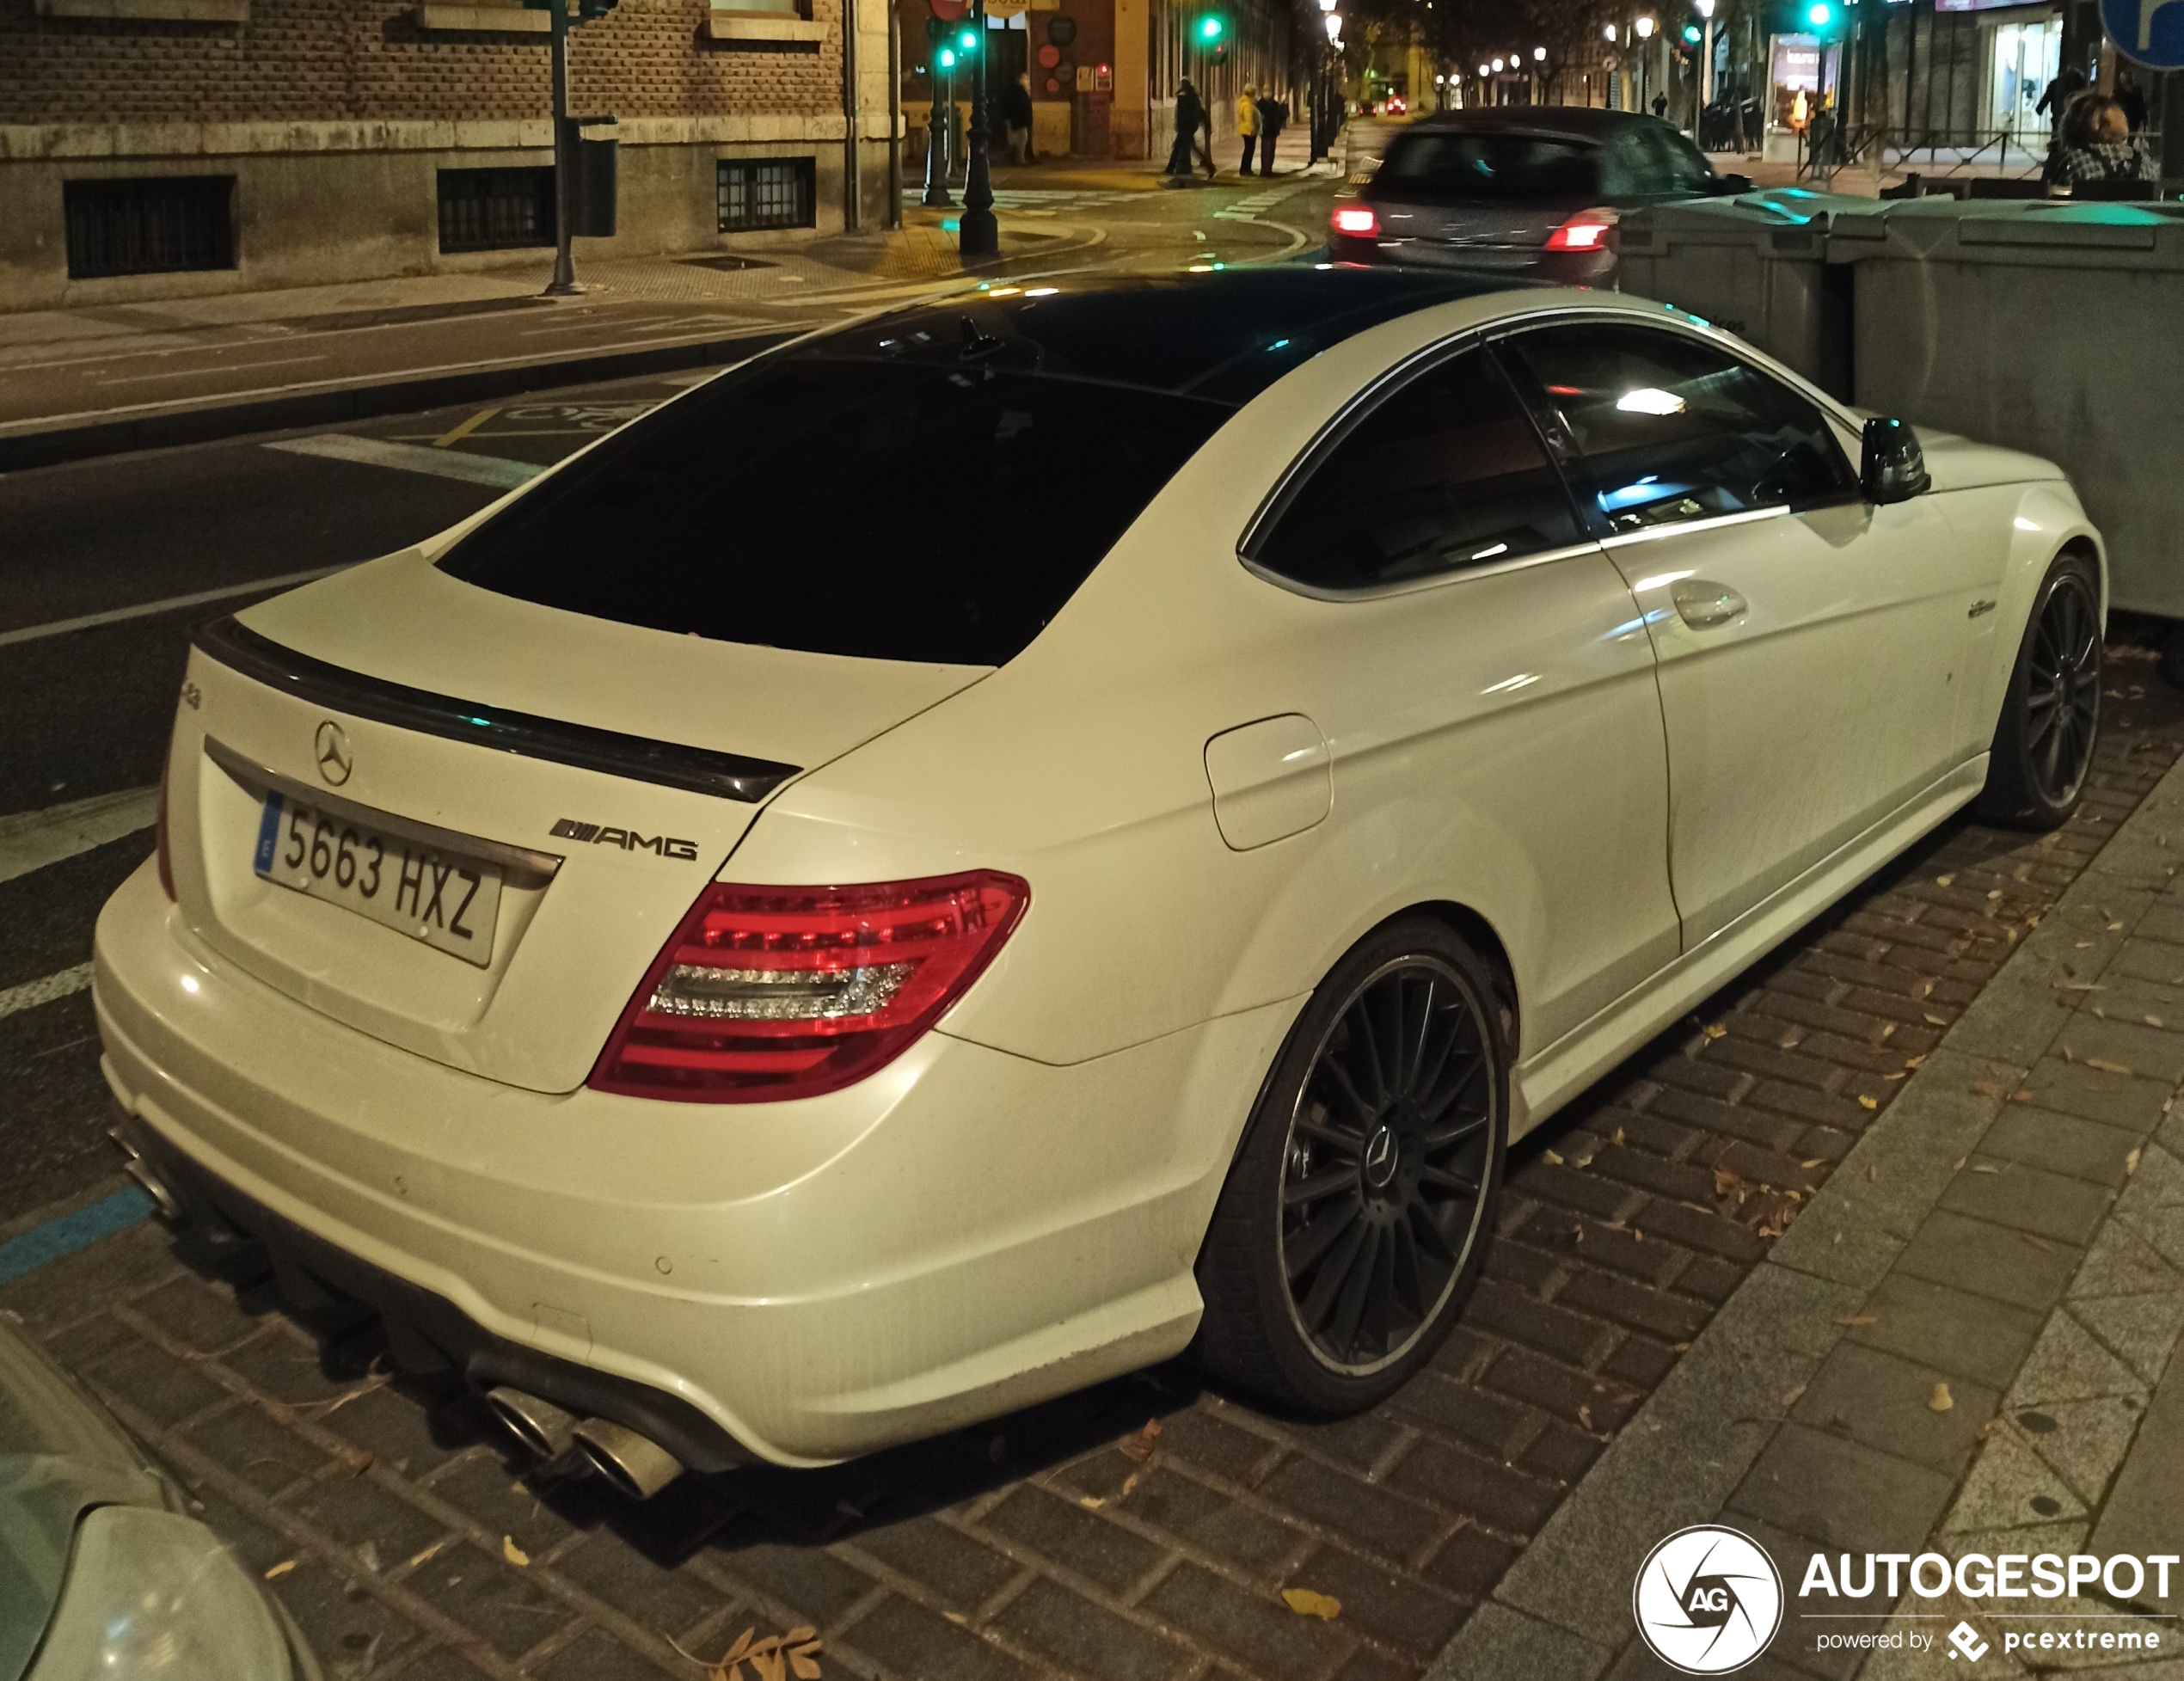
pixel 1643 28
pixel 978 235
pixel 564 284
pixel 1705 9
pixel 936 130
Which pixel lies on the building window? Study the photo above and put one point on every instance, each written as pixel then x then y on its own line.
pixel 161 225
pixel 759 192
pixel 496 210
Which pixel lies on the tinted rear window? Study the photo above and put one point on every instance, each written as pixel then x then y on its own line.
pixel 1491 168
pixel 931 485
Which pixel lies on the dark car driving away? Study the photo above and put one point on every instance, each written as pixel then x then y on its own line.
pixel 1533 190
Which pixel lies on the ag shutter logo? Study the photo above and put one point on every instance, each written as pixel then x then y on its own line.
pixel 1966 1639
pixel 1707 1600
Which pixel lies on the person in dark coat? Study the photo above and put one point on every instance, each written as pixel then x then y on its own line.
pixel 2131 97
pixel 1015 119
pixel 1273 117
pixel 1190 116
pixel 2055 98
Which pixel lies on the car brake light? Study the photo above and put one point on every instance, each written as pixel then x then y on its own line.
pixel 164 850
pixel 1587 230
pixel 776 992
pixel 1356 220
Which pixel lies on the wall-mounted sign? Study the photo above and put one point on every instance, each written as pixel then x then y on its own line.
pixel 1797 61
pixel 1084 78
pixel 1061 30
pixel 1049 57
pixel 1053 85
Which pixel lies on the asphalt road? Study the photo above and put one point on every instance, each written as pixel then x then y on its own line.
pixel 144 547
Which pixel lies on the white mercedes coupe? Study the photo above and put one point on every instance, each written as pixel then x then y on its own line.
pixel 988 847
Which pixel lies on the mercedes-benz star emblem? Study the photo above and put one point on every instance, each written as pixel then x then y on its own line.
pixel 335 761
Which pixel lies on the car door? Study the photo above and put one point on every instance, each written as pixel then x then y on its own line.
pixel 1810 645
pixel 1484 683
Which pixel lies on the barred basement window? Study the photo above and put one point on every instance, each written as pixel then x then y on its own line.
pixel 759 192
pixel 496 210
pixel 160 225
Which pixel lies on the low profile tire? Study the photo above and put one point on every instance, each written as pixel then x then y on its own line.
pixel 1358 1210
pixel 2043 745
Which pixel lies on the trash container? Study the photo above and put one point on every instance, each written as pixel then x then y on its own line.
pixel 2043 326
pixel 1757 265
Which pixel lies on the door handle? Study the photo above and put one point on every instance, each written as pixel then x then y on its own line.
pixel 1703 604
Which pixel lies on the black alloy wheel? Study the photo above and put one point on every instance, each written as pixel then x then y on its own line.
pixel 2063 690
pixel 1385 1175
pixel 1355 1217
pixel 2051 717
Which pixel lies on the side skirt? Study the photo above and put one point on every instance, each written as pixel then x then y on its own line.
pixel 1546 1081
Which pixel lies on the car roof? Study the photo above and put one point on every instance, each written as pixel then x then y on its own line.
pixel 1224 335
pixel 1576 122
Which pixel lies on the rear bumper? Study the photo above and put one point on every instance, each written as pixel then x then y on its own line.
pixel 1560 268
pixel 964 1233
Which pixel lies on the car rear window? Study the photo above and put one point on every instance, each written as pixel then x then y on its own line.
pixel 932 484
pixel 1491 168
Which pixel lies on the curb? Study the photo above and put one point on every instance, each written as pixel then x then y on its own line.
pixel 364 399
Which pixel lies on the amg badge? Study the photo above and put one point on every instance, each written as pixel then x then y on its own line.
pixel 628 839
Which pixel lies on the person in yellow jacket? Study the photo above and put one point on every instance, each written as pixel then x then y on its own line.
pixel 1248 124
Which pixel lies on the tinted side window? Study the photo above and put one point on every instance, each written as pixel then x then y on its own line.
pixel 1489 168
pixel 1680 167
pixel 1670 428
pixel 1446 473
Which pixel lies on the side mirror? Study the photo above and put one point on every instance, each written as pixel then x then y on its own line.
pixel 1892 467
pixel 1729 186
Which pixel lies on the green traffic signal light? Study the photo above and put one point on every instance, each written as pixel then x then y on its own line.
pixel 1210 28
pixel 968 40
pixel 1691 34
pixel 947 57
pixel 1820 14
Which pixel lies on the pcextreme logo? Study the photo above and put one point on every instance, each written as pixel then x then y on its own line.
pixel 1707 1600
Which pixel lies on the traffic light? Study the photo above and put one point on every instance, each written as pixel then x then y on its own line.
pixel 945 57
pixel 1692 34
pixel 967 42
pixel 1210 28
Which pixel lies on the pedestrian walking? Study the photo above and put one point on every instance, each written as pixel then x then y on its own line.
pixel 1248 124
pixel 2055 98
pixel 1273 117
pixel 1660 105
pixel 1189 114
pixel 2097 144
pixel 1016 118
pixel 1206 143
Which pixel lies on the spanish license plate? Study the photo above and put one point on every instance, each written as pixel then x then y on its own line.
pixel 446 899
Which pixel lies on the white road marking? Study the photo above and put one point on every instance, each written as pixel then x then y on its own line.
pixel 31 840
pixel 32 633
pixel 492 470
pixel 190 373
pixel 32 993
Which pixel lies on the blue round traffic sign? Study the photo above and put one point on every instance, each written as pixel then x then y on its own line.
pixel 2147 31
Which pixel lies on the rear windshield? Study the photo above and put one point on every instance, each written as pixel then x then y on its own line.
pixel 933 485
pixel 1491 168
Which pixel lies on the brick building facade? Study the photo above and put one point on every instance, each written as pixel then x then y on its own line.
pixel 158 148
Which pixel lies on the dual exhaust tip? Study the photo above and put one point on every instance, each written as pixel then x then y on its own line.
pixel 634 1465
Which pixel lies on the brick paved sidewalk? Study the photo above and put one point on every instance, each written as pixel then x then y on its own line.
pixel 408 1543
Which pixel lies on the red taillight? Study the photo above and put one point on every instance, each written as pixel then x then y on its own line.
pixel 1587 230
pixel 165 852
pixel 773 992
pixel 1356 220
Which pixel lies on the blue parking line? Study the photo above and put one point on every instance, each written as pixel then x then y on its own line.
pixel 72 1232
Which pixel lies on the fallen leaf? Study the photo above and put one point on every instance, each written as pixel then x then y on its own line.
pixel 1551 1157
pixel 2115 928
pixel 1789 1397
pixel 1139 1447
pixel 1942 1400
pixel 1958 1165
pixel 2130 1162
pixel 2153 1021
pixel 1725 1179
pixel 1934 1020
pixel 1859 1318
pixel 1868 1102
pixel 1091 1502
pixel 1617 1139
pixel 1872 1176
pixel 1128 1483
pixel 1838 1238
pixel 368 1555
pixel 1714 1030
pixel 1986 1087
pixel 1814 1163
pixel 1995 893
pixel 1305 1602
pixel 2021 1096
pixel 1913 1062
pixel 1943 881
pixel 280 1569
pixel 511 1552
pixel 1983 1168
pixel 2106 1067
pixel 438 1546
